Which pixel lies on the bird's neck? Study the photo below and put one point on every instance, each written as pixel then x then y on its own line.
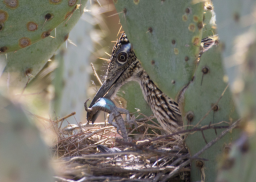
pixel 146 84
pixel 164 108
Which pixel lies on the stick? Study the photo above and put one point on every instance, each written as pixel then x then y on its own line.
pixel 212 107
pixel 185 131
pixel 95 74
pixel 98 178
pixel 65 117
pixel 181 166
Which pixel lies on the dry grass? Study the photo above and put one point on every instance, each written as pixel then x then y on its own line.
pixel 77 157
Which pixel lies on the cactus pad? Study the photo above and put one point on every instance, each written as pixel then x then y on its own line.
pixel 166 37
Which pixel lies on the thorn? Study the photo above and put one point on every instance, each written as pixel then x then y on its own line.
pixel 47 17
pixel 98 2
pixel 75 8
pixel 105 59
pixel 116 14
pixel 44 23
pixel 124 11
pixel 215 131
pixel 65 117
pixel 204 137
pixel 119 30
pixel 150 30
pixel 95 74
pixel 205 70
pixel 30 76
pixel 108 54
pixel 70 41
pixel 202 79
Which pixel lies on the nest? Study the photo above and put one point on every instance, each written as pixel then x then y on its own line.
pixel 98 153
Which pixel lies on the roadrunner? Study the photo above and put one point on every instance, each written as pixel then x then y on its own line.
pixel 124 67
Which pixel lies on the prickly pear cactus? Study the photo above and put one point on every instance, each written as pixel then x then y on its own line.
pixel 208 101
pixel 71 77
pixel 202 96
pixel 239 59
pixel 166 37
pixel 25 22
pixel 23 154
pixel 23 65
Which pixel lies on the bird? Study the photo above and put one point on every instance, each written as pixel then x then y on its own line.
pixel 123 67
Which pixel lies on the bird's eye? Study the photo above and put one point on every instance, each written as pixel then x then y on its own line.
pixel 122 57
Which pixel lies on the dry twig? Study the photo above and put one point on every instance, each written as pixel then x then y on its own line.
pixel 177 169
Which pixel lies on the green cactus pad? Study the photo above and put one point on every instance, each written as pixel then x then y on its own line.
pixel 25 22
pixel 23 154
pixel 71 77
pixel 166 37
pixel 131 92
pixel 237 45
pixel 199 98
pixel 27 62
pixel 135 103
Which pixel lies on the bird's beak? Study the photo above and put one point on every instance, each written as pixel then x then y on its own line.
pixel 106 90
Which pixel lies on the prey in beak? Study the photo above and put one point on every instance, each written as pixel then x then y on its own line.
pixel 107 90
